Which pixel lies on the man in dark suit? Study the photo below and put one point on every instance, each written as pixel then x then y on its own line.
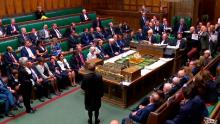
pixel 73 39
pixel 166 40
pixel 151 38
pixel 84 16
pixel 158 29
pixel 12 29
pixel 93 86
pixel 111 31
pixel 78 60
pixel 11 59
pixel 143 20
pixel 70 29
pixel 28 51
pixel 125 27
pixel 2 29
pixel 99 34
pixel 140 36
pixel 85 38
pixel 141 115
pixel 180 27
pixel 97 23
pixel 55 32
pixel 23 36
pixel 92 35
pixel 111 49
pixel 34 36
pixel 146 28
pixel 24 77
pixel 192 109
pixel 102 53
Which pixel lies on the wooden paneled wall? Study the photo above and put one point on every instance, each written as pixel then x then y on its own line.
pixel 19 7
pixel 125 10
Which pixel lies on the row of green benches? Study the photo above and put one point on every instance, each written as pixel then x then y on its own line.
pixel 14 43
pixel 49 14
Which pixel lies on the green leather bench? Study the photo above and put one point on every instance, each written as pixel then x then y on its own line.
pixel 12 42
pixel 49 14
pixel 60 22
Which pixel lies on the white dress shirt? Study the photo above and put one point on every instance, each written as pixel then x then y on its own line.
pixel 30 53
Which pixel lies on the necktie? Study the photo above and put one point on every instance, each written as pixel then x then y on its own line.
pixel 13 58
pixel 58 33
pixel 81 58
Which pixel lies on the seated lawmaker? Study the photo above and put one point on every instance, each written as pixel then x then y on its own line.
pixel 97 23
pixel 34 36
pixel 140 35
pixel 158 29
pixel 102 52
pixel 84 16
pixel 28 51
pixel 70 29
pixel 73 39
pixel 92 53
pixel 99 34
pixel 10 58
pixel 111 30
pixel 12 29
pixel 192 108
pixel 166 40
pixel 55 47
pixel 141 115
pixel 23 36
pixel 150 37
pixel 44 34
pixel 41 51
pixel 55 32
pixel 39 12
pixel 111 49
pixel 85 37
pixel 180 27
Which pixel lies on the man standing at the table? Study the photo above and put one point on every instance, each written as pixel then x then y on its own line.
pixel 93 86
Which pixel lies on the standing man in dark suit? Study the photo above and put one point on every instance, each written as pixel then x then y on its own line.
pixel 143 20
pixel 12 29
pixel 93 86
pixel 97 23
pixel 84 16
pixel 24 77
pixel 158 29
pixel 11 59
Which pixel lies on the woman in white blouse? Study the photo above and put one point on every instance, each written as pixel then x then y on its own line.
pixel 47 75
pixel 92 53
pixel 65 69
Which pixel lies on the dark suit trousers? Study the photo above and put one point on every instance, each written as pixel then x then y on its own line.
pixel 26 91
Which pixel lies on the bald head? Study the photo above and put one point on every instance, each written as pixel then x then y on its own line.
pixel 181 73
pixel 114 122
pixel 167 87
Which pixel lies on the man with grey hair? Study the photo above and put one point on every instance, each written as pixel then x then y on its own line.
pixel 23 36
pixel 84 16
pixel 24 77
pixel 44 34
pixel 111 48
pixel 12 29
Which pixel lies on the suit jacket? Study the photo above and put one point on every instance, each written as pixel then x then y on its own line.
pixel 2 29
pixel 125 28
pixel 10 29
pixel 111 49
pixel 140 36
pixel 42 34
pixel 192 112
pixel 111 32
pixel 8 59
pixel 176 28
pixel 22 38
pixel 204 40
pixel 142 114
pixel 73 41
pixel 142 21
pixel 153 39
pixel 39 14
pixel 24 53
pixel 102 53
pixel 99 35
pixel 54 34
pixel 85 39
pixel 25 79
pixel 169 42
pixel 69 31
pixel 82 18
pixel 158 30
pixel 97 23
pixel 34 38
pixel 93 86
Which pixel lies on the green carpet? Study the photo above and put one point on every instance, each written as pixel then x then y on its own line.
pixel 70 110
